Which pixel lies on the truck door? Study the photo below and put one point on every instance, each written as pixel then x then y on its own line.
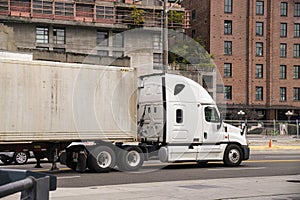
pixel 211 120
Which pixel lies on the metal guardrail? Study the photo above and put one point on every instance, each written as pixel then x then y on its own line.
pixel 32 185
pixel 270 127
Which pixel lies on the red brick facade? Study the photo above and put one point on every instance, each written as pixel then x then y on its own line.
pixel 209 21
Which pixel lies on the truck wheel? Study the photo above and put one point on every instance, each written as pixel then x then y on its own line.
pixel 232 155
pixel 101 159
pixel 130 159
pixel 70 157
pixel 7 160
pixel 21 157
pixel 71 165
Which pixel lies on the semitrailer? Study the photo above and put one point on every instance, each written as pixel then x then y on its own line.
pixel 99 117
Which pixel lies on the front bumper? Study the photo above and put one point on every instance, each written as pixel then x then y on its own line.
pixel 246 151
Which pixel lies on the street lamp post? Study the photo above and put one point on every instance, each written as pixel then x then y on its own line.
pixel 289 114
pixel 241 113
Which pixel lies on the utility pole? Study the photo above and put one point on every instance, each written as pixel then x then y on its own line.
pixel 165 37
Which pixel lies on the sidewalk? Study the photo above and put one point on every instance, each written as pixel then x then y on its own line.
pixel 272 187
pixel 282 187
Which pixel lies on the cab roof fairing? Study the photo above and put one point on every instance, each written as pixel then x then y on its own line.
pixel 192 92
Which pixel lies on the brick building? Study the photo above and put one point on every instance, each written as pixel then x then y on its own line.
pixel 256 47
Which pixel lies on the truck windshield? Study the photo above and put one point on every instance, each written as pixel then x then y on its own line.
pixel 211 115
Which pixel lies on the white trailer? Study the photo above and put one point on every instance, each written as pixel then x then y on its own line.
pixel 121 119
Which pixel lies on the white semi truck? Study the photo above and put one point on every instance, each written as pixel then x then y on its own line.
pixel 118 119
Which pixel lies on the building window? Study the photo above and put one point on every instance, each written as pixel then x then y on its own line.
pixel 283 29
pixel 296 30
pixel 42 35
pixel 102 53
pixel 283 50
pixel 259 71
pixel 208 82
pixel 259 28
pixel 284 9
pixel 259 93
pixel 282 71
pixel 84 10
pixel 228 92
pixel 296 94
pixel 227 70
pixel 228 48
pixel 59 36
pixel 193 14
pixel 64 9
pixel 259 7
pixel 297 72
pixel 283 94
pixel 42 7
pixel 102 38
pixel 297 10
pixel 118 40
pixel 157 42
pixel 103 12
pixel 227 27
pixel 296 50
pixel 20 5
pixel 259 49
pixel 228 6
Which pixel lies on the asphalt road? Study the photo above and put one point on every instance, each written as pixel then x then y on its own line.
pixel 258 166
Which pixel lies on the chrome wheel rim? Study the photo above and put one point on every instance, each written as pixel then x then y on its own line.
pixel 104 159
pixel 234 156
pixel 133 158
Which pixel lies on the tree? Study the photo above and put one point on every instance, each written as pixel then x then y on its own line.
pixel 137 15
pixel 189 51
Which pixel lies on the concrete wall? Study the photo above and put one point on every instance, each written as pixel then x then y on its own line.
pixel 7 41
pixel 138 44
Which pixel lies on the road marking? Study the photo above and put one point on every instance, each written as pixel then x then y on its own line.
pixel 183 163
pixel 48 170
pixel 237 169
pixel 68 177
pixel 274 148
pixel 269 161
pixel 283 156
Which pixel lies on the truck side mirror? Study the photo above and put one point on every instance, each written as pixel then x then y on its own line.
pixel 220 121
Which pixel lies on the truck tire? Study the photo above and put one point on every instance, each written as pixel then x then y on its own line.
pixel 21 157
pixel 69 157
pixel 101 159
pixel 233 155
pixel 7 160
pixel 81 164
pixel 130 159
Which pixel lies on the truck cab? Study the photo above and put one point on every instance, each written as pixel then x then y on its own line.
pixel 181 117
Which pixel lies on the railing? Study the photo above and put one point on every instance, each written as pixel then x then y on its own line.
pixel 33 186
pixel 118 13
pixel 189 67
pixel 270 127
